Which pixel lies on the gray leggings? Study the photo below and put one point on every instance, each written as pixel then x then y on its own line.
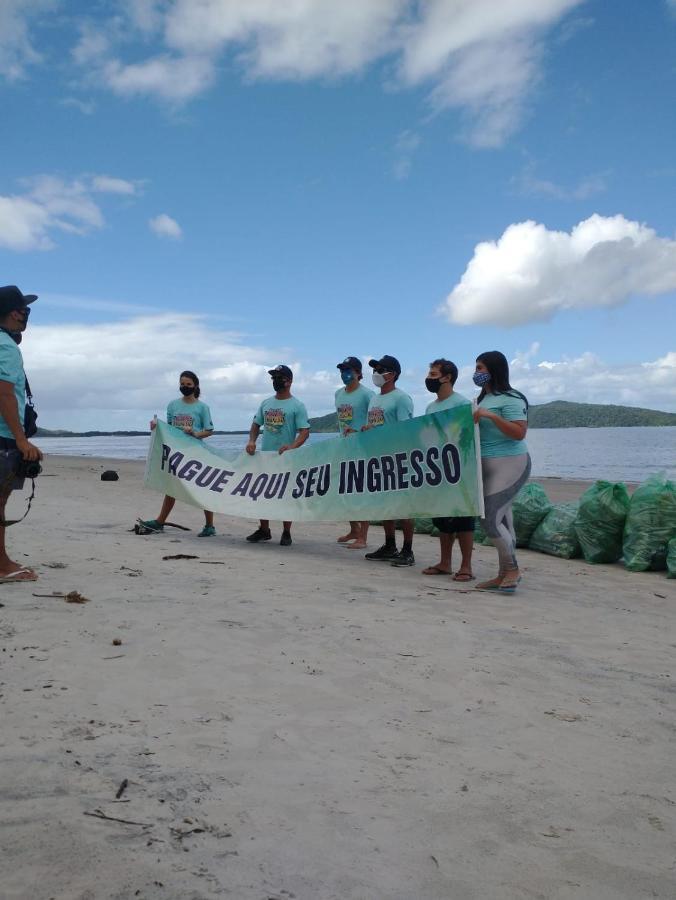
pixel 503 478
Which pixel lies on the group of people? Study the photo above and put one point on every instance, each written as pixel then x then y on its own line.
pixel 500 411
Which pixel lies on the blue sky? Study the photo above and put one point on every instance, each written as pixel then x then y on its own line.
pixel 230 185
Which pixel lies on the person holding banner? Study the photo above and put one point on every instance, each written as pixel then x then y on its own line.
pixel 193 417
pixel 352 403
pixel 502 414
pixel 440 380
pixel 286 427
pixel 390 406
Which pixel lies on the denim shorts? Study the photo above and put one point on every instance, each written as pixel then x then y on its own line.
pixel 9 456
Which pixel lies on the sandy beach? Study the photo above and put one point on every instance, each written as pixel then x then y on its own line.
pixel 300 723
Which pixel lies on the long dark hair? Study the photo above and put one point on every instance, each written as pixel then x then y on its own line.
pixel 195 380
pixel 498 369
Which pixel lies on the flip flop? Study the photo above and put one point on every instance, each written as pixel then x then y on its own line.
pixel 13 577
pixel 435 570
pixel 463 576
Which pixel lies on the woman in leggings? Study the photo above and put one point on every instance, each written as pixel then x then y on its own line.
pixel 502 414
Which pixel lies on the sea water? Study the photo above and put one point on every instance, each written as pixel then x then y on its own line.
pixel 614 454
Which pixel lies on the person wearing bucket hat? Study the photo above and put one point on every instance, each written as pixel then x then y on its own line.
pixel 286 427
pixel 14 445
pixel 389 406
pixel 352 403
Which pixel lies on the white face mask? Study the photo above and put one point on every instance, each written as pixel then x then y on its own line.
pixel 378 379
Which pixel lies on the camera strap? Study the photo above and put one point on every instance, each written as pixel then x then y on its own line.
pixel 5 523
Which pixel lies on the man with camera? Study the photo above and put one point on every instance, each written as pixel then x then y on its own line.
pixel 18 457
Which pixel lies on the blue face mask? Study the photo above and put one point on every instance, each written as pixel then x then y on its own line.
pixel 481 378
pixel 347 376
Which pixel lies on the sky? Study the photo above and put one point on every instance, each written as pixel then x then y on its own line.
pixel 225 185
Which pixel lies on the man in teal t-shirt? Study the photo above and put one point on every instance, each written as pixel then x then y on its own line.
pixel 286 427
pixel 389 406
pixel 14 445
pixel 440 380
pixel 352 404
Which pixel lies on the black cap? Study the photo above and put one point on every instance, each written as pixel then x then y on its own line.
pixel 11 298
pixel 350 362
pixel 281 370
pixel 389 363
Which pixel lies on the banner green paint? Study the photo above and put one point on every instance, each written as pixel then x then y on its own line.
pixel 427 466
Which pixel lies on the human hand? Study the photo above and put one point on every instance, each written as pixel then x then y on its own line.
pixel 349 431
pixel 251 448
pixel 283 449
pixel 366 427
pixel 480 413
pixel 28 451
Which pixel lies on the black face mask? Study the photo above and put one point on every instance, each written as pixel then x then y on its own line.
pixel 186 391
pixel 279 383
pixel 433 385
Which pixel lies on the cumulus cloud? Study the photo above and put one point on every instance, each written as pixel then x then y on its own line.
pixel 531 273
pixel 51 204
pixel 478 56
pixel 101 376
pixel 164 226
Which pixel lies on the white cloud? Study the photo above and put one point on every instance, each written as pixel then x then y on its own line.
pixel 529 183
pixel 101 376
pixel 530 273
pixel 16 49
pixel 51 204
pixel 105 184
pixel 164 226
pixel 479 56
pixel 86 107
pixel 171 78
pixel 404 150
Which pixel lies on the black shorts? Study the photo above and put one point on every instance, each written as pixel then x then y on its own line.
pixel 453 524
pixel 9 456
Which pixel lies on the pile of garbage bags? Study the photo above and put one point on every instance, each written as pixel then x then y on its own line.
pixel 604 526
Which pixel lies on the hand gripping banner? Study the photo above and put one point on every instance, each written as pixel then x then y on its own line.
pixel 424 467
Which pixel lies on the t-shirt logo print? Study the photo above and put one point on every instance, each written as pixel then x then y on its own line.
pixel 376 416
pixel 345 413
pixel 274 419
pixel 182 421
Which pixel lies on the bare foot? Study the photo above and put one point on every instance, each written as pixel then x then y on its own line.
pixel 435 570
pixel 463 575
pixel 343 539
pixel 510 580
pixel 17 573
pixel 492 585
pixel 357 545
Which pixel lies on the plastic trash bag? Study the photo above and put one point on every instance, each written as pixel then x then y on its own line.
pixel 555 535
pixel 650 525
pixel 600 521
pixel 530 507
pixel 671 558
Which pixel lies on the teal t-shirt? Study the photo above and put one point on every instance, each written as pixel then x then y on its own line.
pixel 352 407
pixel 493 441
pixel 449 403
pixel 386 409
pixel 195 415
pixel 281 420
pixel 11 370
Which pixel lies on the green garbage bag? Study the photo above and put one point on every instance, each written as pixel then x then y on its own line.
pixel 671 558
pixel 600 521
pixel 650 525
pixel 530 507
pixel 480 536
pixel 555 535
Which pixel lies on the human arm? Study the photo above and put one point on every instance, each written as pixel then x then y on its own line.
pixel 513 428
pixel 302 435
pixel 254 431
pixel 9 411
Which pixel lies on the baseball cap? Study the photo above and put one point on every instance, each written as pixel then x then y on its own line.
pixel 11 298
pixel 281 370
pixel 350 362
pixel 389 363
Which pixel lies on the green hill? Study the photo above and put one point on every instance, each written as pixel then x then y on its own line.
pixel 562 414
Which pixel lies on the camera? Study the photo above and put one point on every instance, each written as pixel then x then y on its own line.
pixel 28 468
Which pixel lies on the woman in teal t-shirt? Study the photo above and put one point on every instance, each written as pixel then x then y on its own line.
pixel 502 414
pixel 194 418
